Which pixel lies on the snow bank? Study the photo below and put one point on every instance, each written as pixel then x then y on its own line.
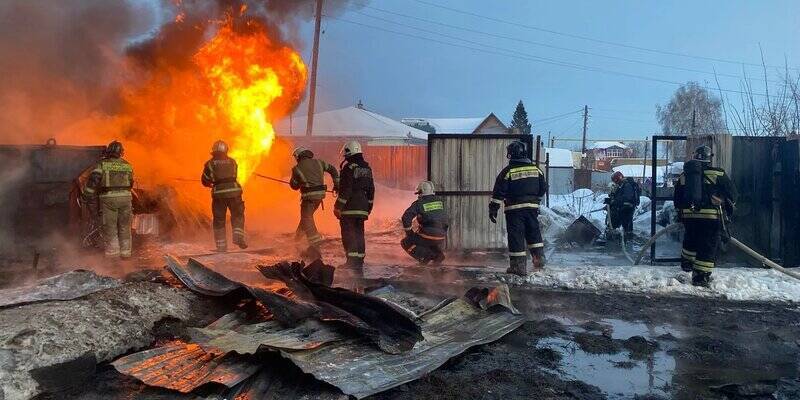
pixel 566 208
pixel 730 283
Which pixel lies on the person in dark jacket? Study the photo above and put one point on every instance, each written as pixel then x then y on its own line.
pixel 704 195
pixel 425 245
pixel 622 203
pixel 219 173
pixel 308 176
pixel 354 202
pixel 519 188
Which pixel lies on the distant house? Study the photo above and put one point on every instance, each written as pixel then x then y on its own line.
pixel 602 153
pixel 486 125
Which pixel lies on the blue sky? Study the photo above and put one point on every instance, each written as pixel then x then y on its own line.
pixel 401 76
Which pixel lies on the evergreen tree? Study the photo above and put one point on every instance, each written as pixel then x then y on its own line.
pixel 520 119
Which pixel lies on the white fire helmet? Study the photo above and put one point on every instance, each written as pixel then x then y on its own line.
pixel 219 147
pixel 298 151
pixel 351 148
pixel 425 188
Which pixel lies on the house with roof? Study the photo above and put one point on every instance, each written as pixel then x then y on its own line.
pixel 602 153
pixel 489 124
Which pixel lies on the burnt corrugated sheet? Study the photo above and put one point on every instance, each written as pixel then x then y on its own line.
pixel 358 370
pixel 231 333
pixel 66 286
pixel 184 367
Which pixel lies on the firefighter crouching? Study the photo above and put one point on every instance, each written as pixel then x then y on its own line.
pixel 354 202
pixel 308 176
pixel 622 202
pixel 219 174
pixel 703 196
pixel 108 193
pixel 425 245
pixel 519 187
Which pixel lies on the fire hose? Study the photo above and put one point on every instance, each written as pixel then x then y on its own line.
pixel 741 246
pixel 256 174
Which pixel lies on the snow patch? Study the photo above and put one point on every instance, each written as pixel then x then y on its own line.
pixel 741 284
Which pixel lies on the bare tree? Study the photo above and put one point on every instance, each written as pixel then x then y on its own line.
pixel 770 113
pixel 693 110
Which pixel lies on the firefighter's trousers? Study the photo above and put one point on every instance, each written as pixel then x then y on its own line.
pixel 524 235
pixel 353 240
pixel 622 216
pixel 219 208
pixel 422 249
pixel 116 213
pixel 307 225
pixel 700 242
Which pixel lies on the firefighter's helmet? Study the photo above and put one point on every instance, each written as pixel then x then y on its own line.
pixel 516 150
pixel 703 154
pixel 351 148
pixel 115 149
pixel 617 177
pixel 425 188
pixel 300 151
pixel 219 147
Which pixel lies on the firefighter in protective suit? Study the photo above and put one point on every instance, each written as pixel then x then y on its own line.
pixel 219 173
pixel 108 193
pixel 425 245
pixel 622 202
pixel 354 202
pixel 703 196
pixel 308 176
pixel 518 188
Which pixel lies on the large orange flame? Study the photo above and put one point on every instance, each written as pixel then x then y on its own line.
pixel 247 75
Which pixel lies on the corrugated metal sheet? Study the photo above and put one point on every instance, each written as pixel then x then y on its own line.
pixel 66 286
pixel 231 333
pixel 280 384
pixel 358 370
pixel 184 367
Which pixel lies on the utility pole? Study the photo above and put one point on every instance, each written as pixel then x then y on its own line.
pixel 313 83
pixel 583 140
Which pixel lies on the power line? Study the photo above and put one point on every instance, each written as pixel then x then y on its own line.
pixel 574 36
pixel 523 56
pixel 557 116
pixel 629 60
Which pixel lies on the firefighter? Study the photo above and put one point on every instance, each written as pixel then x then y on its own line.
pixel 108 193
pixel 703 196
pixel 622 202
pixel 308 176
pixel 219 173
pixel 354 202
pixel 425 245
pixel 519 187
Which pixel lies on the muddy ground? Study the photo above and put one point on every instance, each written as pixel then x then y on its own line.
pixel 580 345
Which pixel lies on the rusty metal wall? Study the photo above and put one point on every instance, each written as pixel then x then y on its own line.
pixel 463 169
pixel 399 167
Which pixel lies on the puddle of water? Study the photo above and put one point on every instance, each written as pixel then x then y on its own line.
pixel 645 377
pixel 625 329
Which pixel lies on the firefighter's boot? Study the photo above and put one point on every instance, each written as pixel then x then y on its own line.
pixel 518 266
pixel 238 238
pixel 700 278
pixel 539 260
pixel 221 240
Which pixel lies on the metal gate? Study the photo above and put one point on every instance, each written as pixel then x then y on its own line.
pixel 463 168
pixel 659 194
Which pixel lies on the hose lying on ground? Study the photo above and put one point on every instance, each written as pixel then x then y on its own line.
pixel 752 253
pixel 658 234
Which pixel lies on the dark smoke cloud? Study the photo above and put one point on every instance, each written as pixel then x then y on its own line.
pixel 62 61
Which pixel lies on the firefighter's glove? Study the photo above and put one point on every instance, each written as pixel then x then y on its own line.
pixel 493 209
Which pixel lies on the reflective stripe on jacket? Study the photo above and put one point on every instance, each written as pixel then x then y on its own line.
pixel 309 177
pixel 356 189
pixel 431 216
pixel 519 185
